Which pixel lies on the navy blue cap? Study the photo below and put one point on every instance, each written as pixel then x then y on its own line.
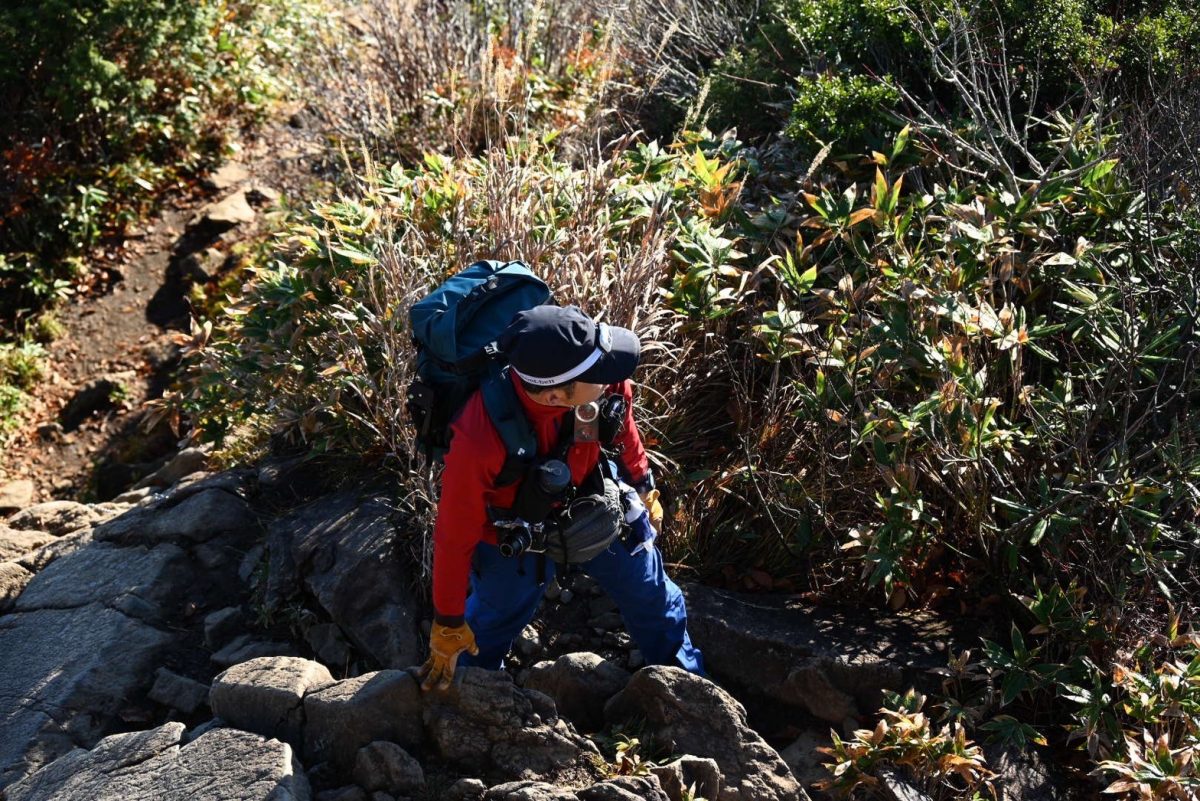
pixel 549 345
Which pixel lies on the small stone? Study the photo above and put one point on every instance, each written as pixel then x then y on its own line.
pixel 636 660
pixel 226 176
pixel 245 648
pixel 329 644
pixel 553 590
pixel 566 596
pixel 261 195
pixel 348 793
pixel 16 495
pixel 178 692
pixel 607 621
pixel 134 496
pixel 250 564
pixel 386 766
pixel 219 626
pixel 465 790
pixel 211 556
pixel 529 643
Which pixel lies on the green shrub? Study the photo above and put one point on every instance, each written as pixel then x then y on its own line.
pixel 794 40
pixel 850 113
pixel 111 99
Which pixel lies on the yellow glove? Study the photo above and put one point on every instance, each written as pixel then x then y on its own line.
pixel 651 502
pixel 445 645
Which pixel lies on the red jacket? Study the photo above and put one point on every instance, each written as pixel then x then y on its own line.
pixel 473 462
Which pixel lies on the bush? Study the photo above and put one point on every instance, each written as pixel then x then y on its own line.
pixel 849 112
pixel 111 99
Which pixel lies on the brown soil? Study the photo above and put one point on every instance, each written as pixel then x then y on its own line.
pixel 126 324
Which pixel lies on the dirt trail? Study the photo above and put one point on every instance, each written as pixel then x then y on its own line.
pixel 124 329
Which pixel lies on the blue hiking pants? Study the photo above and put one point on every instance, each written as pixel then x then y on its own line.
pixel 506 593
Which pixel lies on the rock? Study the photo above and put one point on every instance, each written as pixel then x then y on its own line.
pixel 465 790
pixel 1024 775
pixel 689 775
pixel 100 572
pixel 553 590
pixel 349 714
pixel 808 766
pixel 483 721
pixel 218 217
pixel 57 518
pixel 344 547
pixel 624 788
pixel 222 624
pixel 13 579
pixel 153 765
pixel 386 766
pixel 16 495
pixel 689 714
pixel 329 645
pixel 197 517
pixel 66 675
pixel 50 432
pixel 266 695
pixel 529 791
pixel 262 195
pixel 247 647
pixel 830 664
pixel 184 463
pixel 134 496
pixel 350 792
pixel 96 395
pixel 226 176
pixel 607 621
pixel 56 549
pixel 178 692
pixel 636 660
pixel 529 642
pixel 566 595
pixel 580 685
pixel 894 787
pixel 249 565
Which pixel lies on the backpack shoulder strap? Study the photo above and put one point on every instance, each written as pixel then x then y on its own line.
pixel 504 409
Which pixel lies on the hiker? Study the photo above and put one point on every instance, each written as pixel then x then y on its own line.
pixel 570 380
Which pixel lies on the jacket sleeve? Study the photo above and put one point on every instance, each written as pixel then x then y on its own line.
pixel 633 452
pixel 473 462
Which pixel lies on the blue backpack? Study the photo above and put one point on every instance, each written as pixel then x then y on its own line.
pixel 455 329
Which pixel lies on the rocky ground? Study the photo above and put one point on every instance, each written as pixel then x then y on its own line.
pixel 253 634
pixel 80 433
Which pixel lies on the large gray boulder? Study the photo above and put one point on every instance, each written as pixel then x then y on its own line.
pixel 687 714
pixel 37 559
pixel 345 716
pixel 831 664
pixel 580 685
pixel 484 721
pixel 220 765
pixel 343 548
pixel 140 581
pixel 266 695
pixel 65 675
pixel 192 518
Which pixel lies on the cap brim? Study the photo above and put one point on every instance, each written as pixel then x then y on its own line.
pixel 618 363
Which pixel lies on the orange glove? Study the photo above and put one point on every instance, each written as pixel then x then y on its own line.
pixel 654 508
pixel 445 645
